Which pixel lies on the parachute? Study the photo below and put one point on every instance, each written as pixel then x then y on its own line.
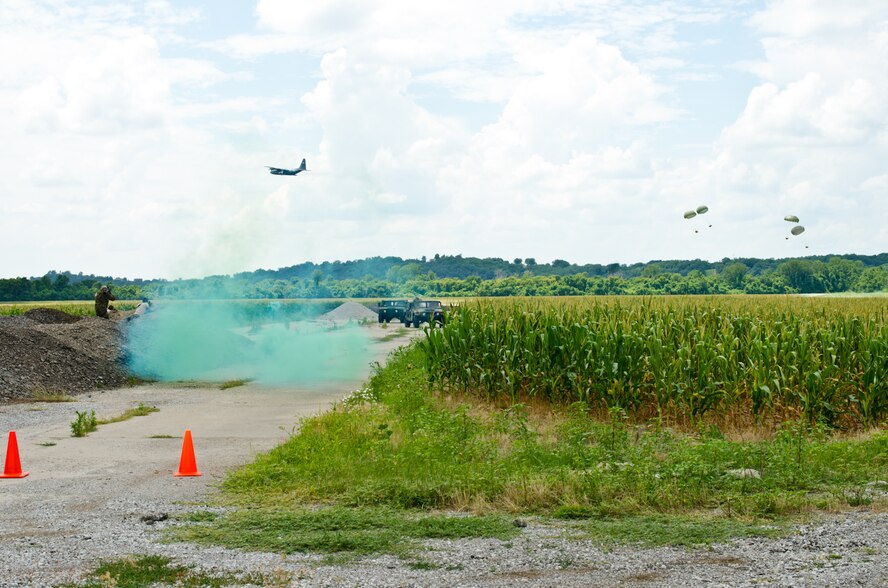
pixel 690 214
pixel 797 230
pixel 702 209
pixel 791 218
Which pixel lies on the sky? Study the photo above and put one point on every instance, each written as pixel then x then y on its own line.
pixel 136 134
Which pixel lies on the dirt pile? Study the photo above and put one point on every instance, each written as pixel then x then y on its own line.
pixel 50 316
pixel 44 352
pixel 350 311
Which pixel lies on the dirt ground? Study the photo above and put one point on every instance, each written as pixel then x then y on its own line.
pixel 84 498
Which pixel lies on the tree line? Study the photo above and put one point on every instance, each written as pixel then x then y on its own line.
pixel 457 276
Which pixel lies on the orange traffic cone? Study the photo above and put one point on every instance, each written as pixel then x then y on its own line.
pixel 13 467
pixel 187 464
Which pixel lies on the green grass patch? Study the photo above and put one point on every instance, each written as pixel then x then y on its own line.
pixel 399 449
pixel 86 422
pixel 140 410
pixel 675 530
pixel 162 437
pixel 395 335
pixel 338 530
pixel 48 396
pixel 152 570
pixel 233 384
pixel 73 307
pixel 47 444
pixel 399 445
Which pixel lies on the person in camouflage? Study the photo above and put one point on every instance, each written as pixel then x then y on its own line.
pixel 103 297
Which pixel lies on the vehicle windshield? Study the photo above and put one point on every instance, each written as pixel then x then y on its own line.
pixel 430 304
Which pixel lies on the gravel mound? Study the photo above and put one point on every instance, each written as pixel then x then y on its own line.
pixel 62 357
pixel 350 311
pixel 50 316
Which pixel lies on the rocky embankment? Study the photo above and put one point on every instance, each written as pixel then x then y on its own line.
pixel 46 351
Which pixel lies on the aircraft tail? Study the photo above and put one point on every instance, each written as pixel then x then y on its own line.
pixel 302 165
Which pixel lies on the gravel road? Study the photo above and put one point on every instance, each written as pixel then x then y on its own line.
pixel 85 498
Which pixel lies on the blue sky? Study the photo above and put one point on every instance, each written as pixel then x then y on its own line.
pixel 136 133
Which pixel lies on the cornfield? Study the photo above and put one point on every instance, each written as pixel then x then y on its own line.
pixel 824 359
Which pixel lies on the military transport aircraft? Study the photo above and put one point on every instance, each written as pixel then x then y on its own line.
pixel 286 172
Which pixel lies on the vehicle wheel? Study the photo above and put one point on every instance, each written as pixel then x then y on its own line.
pixel 381 319
pixel 388 320
pixel 416 323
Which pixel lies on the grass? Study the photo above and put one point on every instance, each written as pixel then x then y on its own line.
pixel 152 570
pixel 395 335
pixel 673 530
pixel 47 444
pixel 48 396
pixel 140 410
pixel 388 457
pixel 72 307
pixel 162 437
pixel 410 449
pixel 233 384
pixel 338 530
pixel 86 422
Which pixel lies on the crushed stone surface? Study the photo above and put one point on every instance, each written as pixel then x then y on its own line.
pixel 45 351
pixel 350 311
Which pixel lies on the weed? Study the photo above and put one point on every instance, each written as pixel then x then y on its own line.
pixel 338 530
pixel 84 423
pixel 47 444
pixel 140 410
pixel 152 570
pixel 162 437
pixel 685 530
pixel 48 396
pixel 233 384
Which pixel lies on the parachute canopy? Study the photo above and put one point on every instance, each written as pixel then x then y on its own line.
pixel 791 218
pixel 690 214
pixel 702 209
pixel 798 230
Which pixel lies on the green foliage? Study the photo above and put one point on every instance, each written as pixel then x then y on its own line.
pixel 403 448
pixel 233 384
pixel 84 423
pixel 153 570
pixel 686 530
pixel 686 357
pixel 338 530
pixel 455 275
pixel 140 410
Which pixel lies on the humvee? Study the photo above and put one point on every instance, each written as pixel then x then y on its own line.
pixel 392 309
pixel 424 311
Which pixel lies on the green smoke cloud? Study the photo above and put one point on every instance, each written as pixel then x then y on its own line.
pixel 218 341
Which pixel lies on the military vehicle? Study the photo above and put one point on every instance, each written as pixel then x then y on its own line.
pixel 392 309
pixel 424 311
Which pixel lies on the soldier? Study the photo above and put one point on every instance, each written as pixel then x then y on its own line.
pixel 103 297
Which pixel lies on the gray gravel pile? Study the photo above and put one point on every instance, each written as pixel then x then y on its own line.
pixel 55 355
pixel 350 311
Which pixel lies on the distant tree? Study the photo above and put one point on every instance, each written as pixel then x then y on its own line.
pixel 530 262
pixel 651 270
pixel 560 263
pixel 316 277
pixel 733 275
pixel 800 276
pixel 872 279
